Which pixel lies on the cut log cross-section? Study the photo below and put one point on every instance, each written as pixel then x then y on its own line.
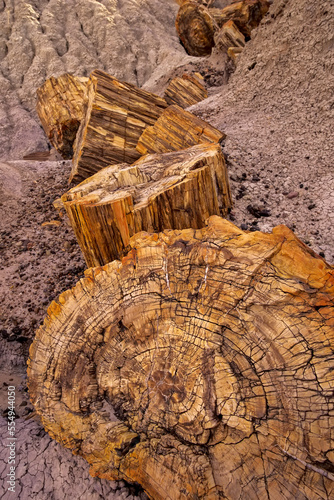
pixel 185 91
pixel 167 191
pixel 177 129
pixel 116 114
pixel 200 367
pixel 60 109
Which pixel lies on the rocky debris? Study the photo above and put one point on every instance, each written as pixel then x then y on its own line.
pixel 201 353
pixel 277 114
pixel 60 110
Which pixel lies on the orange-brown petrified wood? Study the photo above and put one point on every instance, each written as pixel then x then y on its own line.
pixel 201 366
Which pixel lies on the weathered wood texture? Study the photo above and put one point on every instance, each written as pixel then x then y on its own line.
pixel 116 115
pixel 60 110
pixel 196 24
pixel 229 36
pixel 195 28
pixel 177 129
pixel 246 14
pixel 201 366
pixel 185 91
pixel 169 191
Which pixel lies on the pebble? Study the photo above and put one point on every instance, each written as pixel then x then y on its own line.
pixel 292 194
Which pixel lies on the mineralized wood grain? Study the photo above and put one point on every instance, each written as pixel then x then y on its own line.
pixel 246 14
pixel 60 110
pixel 185 91
pixel 177 129
pixel 162 191
pixel 201 366
pixel 229 36
pixel 195 28
pixel 116 114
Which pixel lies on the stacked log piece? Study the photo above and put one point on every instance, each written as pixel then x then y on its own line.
pixel 162 191
pixel 116 115
pixel 185 91
pixel 201 366
pixel 197 25
pixel 229 37
pixel 60 110
pixel 177 129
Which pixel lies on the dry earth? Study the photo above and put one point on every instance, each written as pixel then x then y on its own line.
pixel 277 111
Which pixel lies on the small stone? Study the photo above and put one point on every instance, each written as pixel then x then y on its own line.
pixel 292 194
pixel 51 223
pixel 312 206
pixel 244 227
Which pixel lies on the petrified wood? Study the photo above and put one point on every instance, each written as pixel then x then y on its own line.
pixel 185 91
pixel 162 191
pixel 60 110
pixel 201 366
pixel 246 14
pixel 229 36
pixel 195 28
pixel 177 129
pixel 116 114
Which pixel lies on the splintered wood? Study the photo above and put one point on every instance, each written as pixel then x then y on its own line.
pixel 169 191
pixel 116 115
pixel 177 129
pixel 60 110
pixel 229 37
pixel 201 366
pixel 185 91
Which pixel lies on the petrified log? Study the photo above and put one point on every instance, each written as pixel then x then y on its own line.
pixel 246 14
pixel 185 91
pixel 234 52
pixel 60 110
pixel 116 115
pixel 177 129
pixel 229 36
pixel 195 28
pixel 201 366
pixel 169 191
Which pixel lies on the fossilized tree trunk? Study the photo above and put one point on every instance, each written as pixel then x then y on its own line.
pixel 177 129
pixel 201 366
pixel 196 24
pixel 169 191
pixel 116 114
pixel 195 28
pixel 60 109
pixel 185 91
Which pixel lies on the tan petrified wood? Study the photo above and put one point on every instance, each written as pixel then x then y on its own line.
pixel 201 366
pixel 177 129
pixel 161 191
pixel 229 37
pixel 116 114
pixel 60 110
pixel 185 91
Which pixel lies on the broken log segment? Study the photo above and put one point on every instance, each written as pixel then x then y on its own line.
pixel 162 191
pixel 177 129
pixel 60 110
pixel 116 114
pixel 229 36
pixel 201 366
pixel 246 14
pixel 185 91
pixel 195 29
